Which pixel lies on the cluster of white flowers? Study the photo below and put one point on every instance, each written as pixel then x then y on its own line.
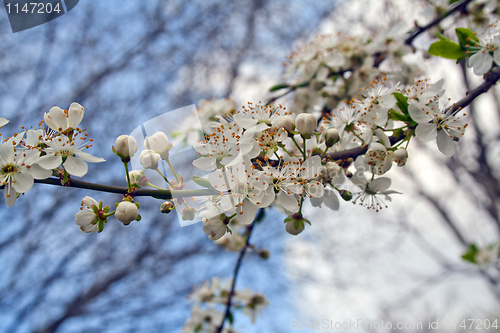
pixel 211 294
pixel 40 153
pixel 263 155
pixel 333 68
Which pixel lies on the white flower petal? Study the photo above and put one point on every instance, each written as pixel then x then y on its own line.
pixel 426 132
pixel 380 184
pixel 445 144
pixel 75 115
pixel 22 182
pixel 56 119
pixel 331 200
pixel 247 213
pixel 3 121
pixel 10 199
pixel 75 166
pixel 481 62
pixel 289 202
pixel 6 153
pixel 89 158
pixel 417 114
pixel 50 161
pixel 205 163
pixel 84 217
pixel 89 202
pixel 39 173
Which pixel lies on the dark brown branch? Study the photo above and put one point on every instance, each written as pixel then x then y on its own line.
pixel 159 194
pixel 461 6
pixel 259 217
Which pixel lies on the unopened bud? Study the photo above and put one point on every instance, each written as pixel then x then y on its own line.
pixel 285 122
pixel 166 207
pixel 125 147
pixel 159 143
pixel 346 195
pixel 331 136
pixel 264 254
pixel 294 224
pixel 149 159
pixel 187 213
pixel 126 212
pixel 138 178
pixel 305 124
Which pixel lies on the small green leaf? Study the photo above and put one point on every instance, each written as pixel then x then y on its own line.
pixel 446 49
pixel 443 37
pixel 203 182
pixel 466 37
pixel 101 226
pixel 402 102
pixel 470 254
pixel 230 317
pixel 453 1
pixel 279 87
pixel 395 115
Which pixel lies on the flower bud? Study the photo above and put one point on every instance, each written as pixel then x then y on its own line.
pixel 149 159
pixel 400 156
pixel 215 227
pixel 125 147
pixel 159 143
pixel 167 206
pixel 187 213
pixel 138 178
pixel 264 254
pixel 331 136
pixel 294 224
pixel 294 229
pixel 346 195
pixel 126 212
pixel 285 122
pixel 306 124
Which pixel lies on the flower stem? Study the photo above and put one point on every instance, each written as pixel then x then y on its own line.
pixel 173 171
pixel 128 177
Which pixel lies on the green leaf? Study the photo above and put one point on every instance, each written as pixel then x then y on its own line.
pixel 446 49
pixel 101 226
pixel 230 317
pixel 443 37
pixel 470 254
pixel 279 87
pixel 453 1
pixel 402 102
pixel 203 182
pixel 395 115
pixel 466 37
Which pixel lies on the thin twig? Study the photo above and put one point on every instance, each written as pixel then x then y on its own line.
pixel 460 6
pixel 259 217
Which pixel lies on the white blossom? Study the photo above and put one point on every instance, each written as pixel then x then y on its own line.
pixel 87 219
pixel 433 123
pixel 63 150
pixel 61 120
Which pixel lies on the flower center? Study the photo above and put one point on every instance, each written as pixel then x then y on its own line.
pixel 9 168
